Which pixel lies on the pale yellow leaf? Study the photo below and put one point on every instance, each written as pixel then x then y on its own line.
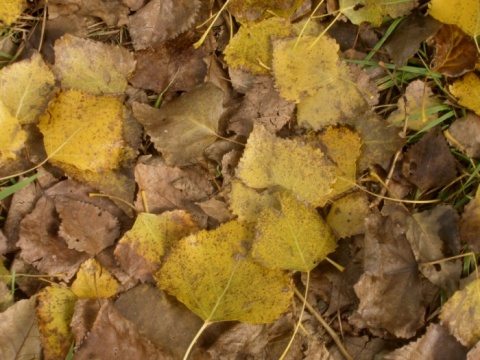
pixel 463 13
pixel 11 10
pixel 214 276
pixel 467 90
pixel 374 11
pixel 12 137
pixel 347 215
pixel 94 281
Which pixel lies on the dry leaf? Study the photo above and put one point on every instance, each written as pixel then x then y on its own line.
pixel 94 281
pixel 374 11
pixel 470 223
pixel 347 215
pixel 11 10
pixel 251 10
pixel 466 90
pixel 12 137
pixel 463 13
pixel 464 134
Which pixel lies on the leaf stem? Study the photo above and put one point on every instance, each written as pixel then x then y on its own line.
pixel 195 339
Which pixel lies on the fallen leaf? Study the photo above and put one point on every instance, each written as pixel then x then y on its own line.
pixel 293 237
pixel 455 51
pixel 464 135
pixel 415 106
pixel 183 128
pixel 430 233
pixel 12 137
pixel 213 275
pixel 405 40
pixel 216 209
pixel 141 249
pixel 470 223
pixel 111 335
pixel 466 90
pixel 347 215
pixel 86 65
pixel 300 71
pixel 251 10
pixel 26 88
pixel 20 338
pixel 437 343
pixel 251 47
pixel 374 11
pixel 55 311
pixel 298 167
pixel 460 314
pixel 158 21
pixel 94 282
pixel 463 13
pixel 429 163
pixel 167 323
pixel 11 10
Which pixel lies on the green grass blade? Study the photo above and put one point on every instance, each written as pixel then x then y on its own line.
pixel 14 188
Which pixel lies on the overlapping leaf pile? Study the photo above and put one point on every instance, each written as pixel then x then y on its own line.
pixel 251 177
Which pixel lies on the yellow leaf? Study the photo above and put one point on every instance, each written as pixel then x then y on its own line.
pixel 141 249
pixel 347 215
pixel 55 310
pixel 12 137
pixel 11 10
pixel 300 72
pixel 298 167
pixel 89 130
pixel 251 47
pixel 183 128
pixel 373 11
pixel 463 13
pixel 94 281
pixel 294 237
pixel 214 276
pixel 92 66
pixel 27 87
pixel 467 90
pixel 247 203
pixel 461 314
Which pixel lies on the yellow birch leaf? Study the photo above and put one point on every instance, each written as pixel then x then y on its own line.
pixel 11 10
pixel 92 66
pixel 298 167
pixel 251 47
pixel 299 72
pixel 212 273
pixel 12 137
pixel 463 13
pixel 55 310
pixel 89 130
pixel 347 215
pixel 141 249
pixel 467 90
pixel 374 11
pixel 292 238
pixel 461 314
pixel 26 87
pixel 94 281
pixel 247 203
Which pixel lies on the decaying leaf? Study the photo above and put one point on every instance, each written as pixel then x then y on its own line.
pixel 12 137
pixel 20 338
pixel 184 127
pixel 429 163
pixel 94 281
pixel 455 51
pixel 460 314
pixel 464 134
pixel 415 106
pixel 373 11
pixel 159 20
pixel 293 237
pixel 467 91
pixel 470 224
pixel 347 215
pixel 86 65
pixel 212 273
pixel 463 13
pixel 141 249
pixel 55 311
pixel 252 10
pixel 11 10
pixel 26 87
pixel 251 48
pixel 300 71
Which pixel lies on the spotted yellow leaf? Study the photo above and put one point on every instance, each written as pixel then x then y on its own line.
pixel 94 281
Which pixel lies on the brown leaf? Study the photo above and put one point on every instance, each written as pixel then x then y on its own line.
pixel 161 20
pixel 429 163
pixel 19 335
pixel 182 66
pixel 390 285
pixel 86 227
pixel 437 343
pixel 167 323
pixel 470 223
pixel 464 134
pixel 112 336
pixel 455 51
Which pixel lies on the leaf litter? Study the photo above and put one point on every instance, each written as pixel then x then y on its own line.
pixel 184 194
